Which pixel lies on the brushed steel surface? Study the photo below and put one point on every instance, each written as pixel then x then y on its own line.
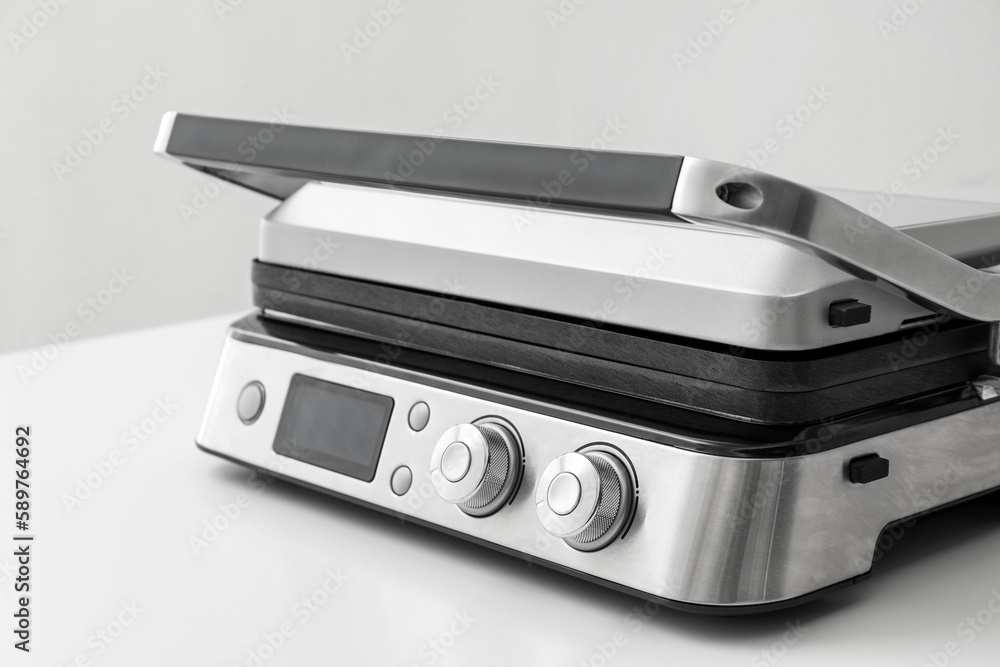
pixel 709 192
pixel 707 529
pixel 704 282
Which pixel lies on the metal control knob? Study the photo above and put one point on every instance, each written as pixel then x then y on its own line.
pixel 585 498
pixel 477 466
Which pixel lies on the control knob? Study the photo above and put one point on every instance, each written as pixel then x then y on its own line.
pixel 585 497
pixel 477 466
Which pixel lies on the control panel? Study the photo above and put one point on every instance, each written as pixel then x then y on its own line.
pixel 452 455
pixel 361 428
pixel 609 500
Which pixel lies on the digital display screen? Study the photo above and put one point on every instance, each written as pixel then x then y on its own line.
pixel 333 426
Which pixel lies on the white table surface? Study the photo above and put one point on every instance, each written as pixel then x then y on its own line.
pixel 403 586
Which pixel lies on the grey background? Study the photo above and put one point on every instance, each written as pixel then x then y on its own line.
pixel 560 82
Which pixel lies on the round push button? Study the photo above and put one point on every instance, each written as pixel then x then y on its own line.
pixel 564 493
pixel 250 403
pixel 419 415
pixel 402 477
pixel 455 461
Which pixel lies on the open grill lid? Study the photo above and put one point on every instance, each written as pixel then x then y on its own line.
pixel 278 159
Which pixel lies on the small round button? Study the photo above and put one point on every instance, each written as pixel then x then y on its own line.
pixel 455 461
pixel 564 493
pixel 250 403
pixel 419 415
pixel 402 477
